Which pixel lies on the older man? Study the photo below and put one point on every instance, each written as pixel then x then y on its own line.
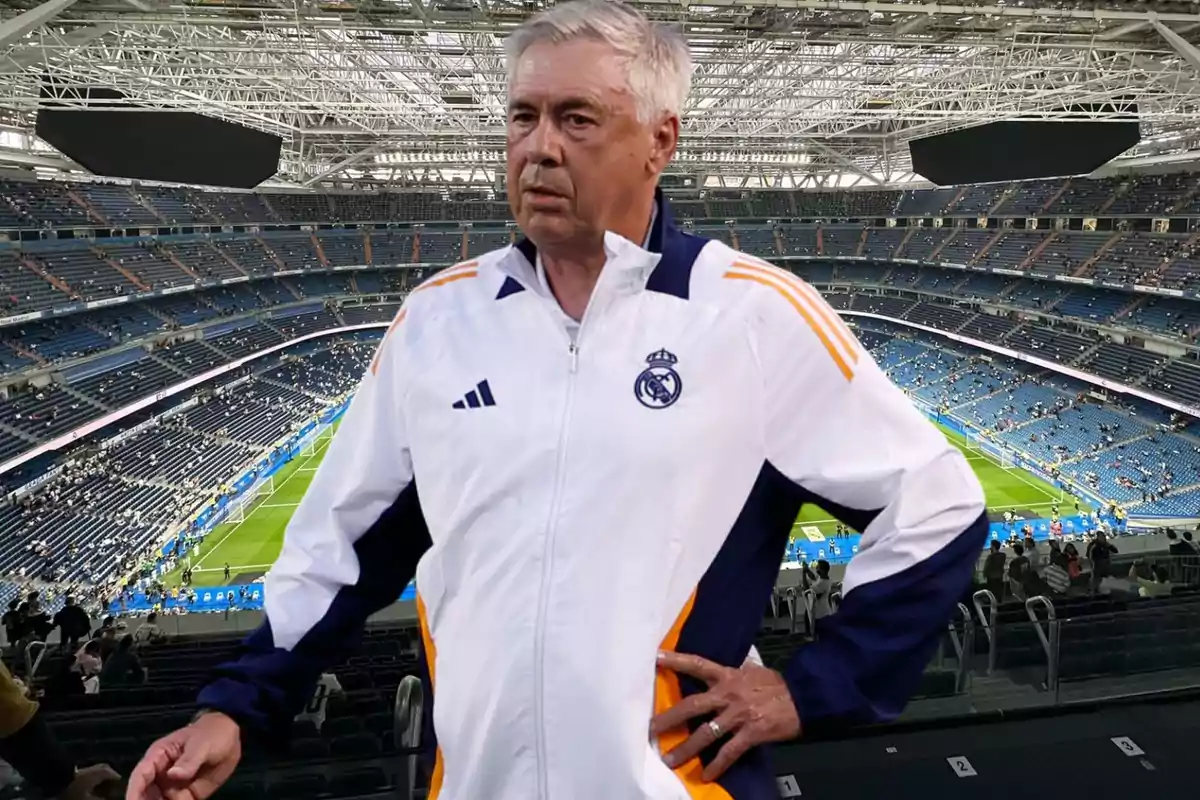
pixel 612 425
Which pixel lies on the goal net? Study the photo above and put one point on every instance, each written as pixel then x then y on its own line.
pixel 315 442
pixel 999 454
pixel 245 503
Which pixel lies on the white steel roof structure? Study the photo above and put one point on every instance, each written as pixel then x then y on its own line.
pixel 786 93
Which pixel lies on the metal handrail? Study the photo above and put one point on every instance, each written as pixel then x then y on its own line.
pixel 988 620
pixel 967 649
pixel 961 645
pixel 789 598
pixel 955 641
pixel 31 663
pixel 406 732
pixel 1049 637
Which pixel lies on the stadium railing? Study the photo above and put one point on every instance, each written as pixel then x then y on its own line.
pixel 1029 638
pixel 408 710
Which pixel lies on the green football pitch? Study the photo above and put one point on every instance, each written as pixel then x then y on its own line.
pixel 250 545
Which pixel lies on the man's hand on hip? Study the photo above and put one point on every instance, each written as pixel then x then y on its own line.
pixel 752 706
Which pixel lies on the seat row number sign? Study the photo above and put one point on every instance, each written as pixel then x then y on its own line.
pixel 1127 746
pixel 787 786
pixel 961 766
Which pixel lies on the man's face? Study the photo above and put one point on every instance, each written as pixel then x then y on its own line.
pixel 577 154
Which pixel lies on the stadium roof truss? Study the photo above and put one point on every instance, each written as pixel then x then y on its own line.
pixel 818 93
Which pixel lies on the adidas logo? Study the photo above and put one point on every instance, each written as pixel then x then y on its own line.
pixel 478 397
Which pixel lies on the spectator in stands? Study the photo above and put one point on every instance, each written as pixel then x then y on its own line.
pixel 148 632
pixel 821 587
pixel 110 637
pixel 1157 586
pixel 1031 551
pixel 1100 551
pixel 14 622
pixel 1019 572
pixel 643 494
pixel 87 660
pixel 72 623
pixel 1073 565
pixel 993 569
pixel 123 668
pixel 1176 547
pixel 1055 574
pixel 37 622
pixel 28 745
pixel 1056 554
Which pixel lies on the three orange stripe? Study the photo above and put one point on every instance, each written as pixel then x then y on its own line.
pixel 831 317
pixel 821 320
pixel 379 350
pixel 667 694
pixel 439 766
pixel 467 269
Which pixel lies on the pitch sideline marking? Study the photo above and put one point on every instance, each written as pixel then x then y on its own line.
pixel 982 454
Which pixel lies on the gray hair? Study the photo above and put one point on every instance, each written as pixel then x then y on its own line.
pixel 656 56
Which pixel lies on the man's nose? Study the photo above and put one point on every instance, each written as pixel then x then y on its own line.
pixel 545 144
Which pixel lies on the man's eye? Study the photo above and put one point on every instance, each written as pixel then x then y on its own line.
pixel 578 120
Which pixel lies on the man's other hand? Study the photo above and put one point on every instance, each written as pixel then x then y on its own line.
pixel 87 780
pixel 189 764
pixel 751 704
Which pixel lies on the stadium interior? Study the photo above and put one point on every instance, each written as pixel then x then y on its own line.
pixel 175 357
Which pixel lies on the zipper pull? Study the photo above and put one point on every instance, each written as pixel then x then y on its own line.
pixel 573 350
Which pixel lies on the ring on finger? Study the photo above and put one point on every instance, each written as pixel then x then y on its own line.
pixel 715 727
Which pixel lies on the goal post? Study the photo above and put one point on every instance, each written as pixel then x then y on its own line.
pixel 313 444
pixel 243 505
pixel 997 452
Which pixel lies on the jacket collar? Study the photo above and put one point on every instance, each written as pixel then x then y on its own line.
pixel 668 252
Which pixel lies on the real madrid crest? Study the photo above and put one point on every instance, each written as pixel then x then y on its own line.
pixel 658 385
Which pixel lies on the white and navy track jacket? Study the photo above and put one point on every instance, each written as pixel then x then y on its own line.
pixel 569 508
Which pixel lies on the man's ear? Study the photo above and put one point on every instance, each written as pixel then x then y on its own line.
pixel 666 140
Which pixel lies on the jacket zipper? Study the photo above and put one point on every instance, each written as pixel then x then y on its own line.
pixel 547 572
pixel 539 651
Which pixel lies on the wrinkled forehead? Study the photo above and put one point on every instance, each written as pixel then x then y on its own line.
pixel 549 73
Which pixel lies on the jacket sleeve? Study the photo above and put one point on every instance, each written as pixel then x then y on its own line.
pixel 351 547
pixel 856 446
